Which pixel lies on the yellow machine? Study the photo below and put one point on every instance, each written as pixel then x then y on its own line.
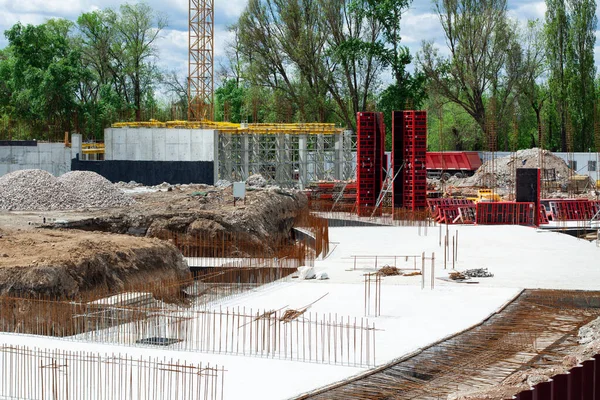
pixel 485 195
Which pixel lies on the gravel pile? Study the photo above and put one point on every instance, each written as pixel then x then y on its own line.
pixel 91 190
pixel 504 166
pixel 256 180
pixel 34 189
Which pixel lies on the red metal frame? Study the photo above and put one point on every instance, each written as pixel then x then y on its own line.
pixel 414 150
pixel 369 157
pixel 506 213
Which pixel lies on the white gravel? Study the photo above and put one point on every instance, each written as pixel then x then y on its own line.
pixel 34 189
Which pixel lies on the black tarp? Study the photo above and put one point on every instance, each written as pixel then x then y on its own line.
pixel 150 172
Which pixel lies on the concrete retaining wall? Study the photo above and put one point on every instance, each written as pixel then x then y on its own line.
pixel 52 157
pixel 160 144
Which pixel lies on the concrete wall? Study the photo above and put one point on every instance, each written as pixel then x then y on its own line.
pixel 160 144
pixel 52 157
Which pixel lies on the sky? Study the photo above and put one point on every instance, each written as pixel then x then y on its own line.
pixel 419 23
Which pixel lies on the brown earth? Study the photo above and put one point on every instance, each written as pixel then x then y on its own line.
pixel 267 217
pixel 66 264
pixel 70 259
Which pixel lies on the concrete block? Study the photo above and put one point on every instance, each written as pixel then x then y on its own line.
pixel 4 169
pixel 108 144
pixel 131 141
pixel 119 151
pixel 145 144
pixel 119 136
pixel 196 151
pixel 172 152
pixel 184 136
pixel 6 154
pixel 46 158
pixel 172 136
pixel 184 152
pixel 31 157
pixel 159 150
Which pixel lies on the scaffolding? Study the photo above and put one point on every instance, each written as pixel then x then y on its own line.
pixel 287 158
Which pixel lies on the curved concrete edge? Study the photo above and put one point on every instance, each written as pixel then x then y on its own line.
pixel 405 357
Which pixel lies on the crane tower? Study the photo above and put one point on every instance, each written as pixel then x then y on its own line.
pixel 200 60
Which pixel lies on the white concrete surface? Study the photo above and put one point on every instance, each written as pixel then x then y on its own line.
pixel 411 318
pixel 52 157
pixel 160 144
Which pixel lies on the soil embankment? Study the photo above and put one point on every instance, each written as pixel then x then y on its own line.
pixel 66 264
pixel 266 218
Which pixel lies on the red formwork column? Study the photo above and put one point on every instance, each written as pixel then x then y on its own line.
pixel 415 151
pixel 369 158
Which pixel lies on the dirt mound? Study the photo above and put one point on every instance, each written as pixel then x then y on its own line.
pixel 66 264
pixel 503 169
pixel 34 189
pixel 91 190
pixel 266 217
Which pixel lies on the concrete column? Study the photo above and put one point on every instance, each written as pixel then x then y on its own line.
pixel 227 159
pixel 320 166
pixel 302 141
pixel 76 146
pixel 215 156
pixel 245 156
pixel 338 157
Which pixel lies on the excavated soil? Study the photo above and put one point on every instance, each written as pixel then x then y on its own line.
pixel 110 248
pixel 267 216
pixel 66 264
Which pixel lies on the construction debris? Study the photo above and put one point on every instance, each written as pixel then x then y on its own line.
pixel 504 168
pixel 388 271
pixel 34 189
pixel 256 180
pixel 477 273
pixel 456 276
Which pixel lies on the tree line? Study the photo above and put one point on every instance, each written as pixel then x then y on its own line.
pixel 63 76
pixel 494 82
pixel 497 84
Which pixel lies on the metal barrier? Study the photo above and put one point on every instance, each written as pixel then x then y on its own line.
pixel 582 382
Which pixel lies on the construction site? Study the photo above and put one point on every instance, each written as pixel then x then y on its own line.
pixel 211 260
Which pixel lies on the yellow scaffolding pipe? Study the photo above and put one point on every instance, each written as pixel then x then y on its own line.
pixel 228 127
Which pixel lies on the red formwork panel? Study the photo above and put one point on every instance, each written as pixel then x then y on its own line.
pixel 414 191
pixel 506 213
pixel 570 209
pixel 369 159
pixel 452 211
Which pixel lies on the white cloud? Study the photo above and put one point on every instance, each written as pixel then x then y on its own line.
pixel 231 9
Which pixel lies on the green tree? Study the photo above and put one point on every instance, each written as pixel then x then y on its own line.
pixel 581 72
pixel 533 67
pixel 137 27
pixel 42 75
pixel 483 60
pixel 557 28
pixel 232 94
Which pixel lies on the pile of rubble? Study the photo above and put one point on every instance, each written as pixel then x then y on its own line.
pixel 478 273
pixel 501 172
pixel 34 189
